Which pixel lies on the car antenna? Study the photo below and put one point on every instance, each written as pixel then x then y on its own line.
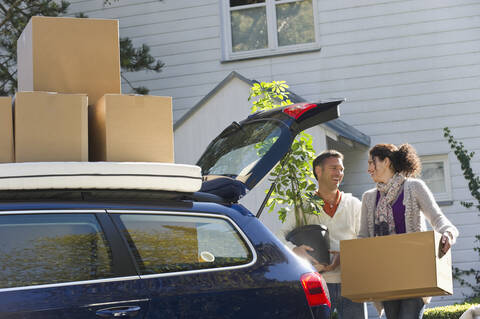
pixel 274 183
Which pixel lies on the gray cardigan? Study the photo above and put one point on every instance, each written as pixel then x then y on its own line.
pixel 419 203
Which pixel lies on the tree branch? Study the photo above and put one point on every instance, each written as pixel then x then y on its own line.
pixel 9 12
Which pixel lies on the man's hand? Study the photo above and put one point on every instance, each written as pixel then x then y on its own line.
pixel 302 251
pixel 335 262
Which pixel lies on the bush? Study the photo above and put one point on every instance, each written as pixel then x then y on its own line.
pixel 450 312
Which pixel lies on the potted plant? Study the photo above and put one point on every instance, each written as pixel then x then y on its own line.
pixel 293 180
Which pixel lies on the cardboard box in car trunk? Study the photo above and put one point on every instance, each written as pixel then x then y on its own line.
pixel 135 128
pixel 395 267
pixel 69 55
pixel 50 127
pixel 6 130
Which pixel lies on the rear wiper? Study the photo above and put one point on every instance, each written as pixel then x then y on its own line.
pixel 232 128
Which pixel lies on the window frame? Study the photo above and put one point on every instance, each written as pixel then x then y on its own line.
pixel 115 214
pixel 447 195
pixel 272 39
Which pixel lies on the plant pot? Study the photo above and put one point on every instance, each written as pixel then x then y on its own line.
pixel 315 236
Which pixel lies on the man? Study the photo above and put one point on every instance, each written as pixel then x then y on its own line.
pixel 340 212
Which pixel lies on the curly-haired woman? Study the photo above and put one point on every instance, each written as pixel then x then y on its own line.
pixel 399 204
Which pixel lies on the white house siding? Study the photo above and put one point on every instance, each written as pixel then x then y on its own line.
pixel 407 69
pixel 193 137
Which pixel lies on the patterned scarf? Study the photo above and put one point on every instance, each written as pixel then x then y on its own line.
pixel 384 222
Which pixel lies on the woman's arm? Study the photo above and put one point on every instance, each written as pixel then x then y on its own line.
pixel 432 211
pixel 363 233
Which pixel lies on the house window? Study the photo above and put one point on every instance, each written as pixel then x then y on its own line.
pixel 436 174
pixel 254 28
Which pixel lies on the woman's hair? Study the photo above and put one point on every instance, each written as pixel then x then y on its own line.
pixel 404 159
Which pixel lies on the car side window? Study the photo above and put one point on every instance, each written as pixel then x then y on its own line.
pixel 169 243
pixel 39 249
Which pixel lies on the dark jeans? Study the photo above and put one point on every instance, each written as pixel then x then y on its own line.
pixel 346 308
pixel 404 309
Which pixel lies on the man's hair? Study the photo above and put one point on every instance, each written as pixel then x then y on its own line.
pixel 323 156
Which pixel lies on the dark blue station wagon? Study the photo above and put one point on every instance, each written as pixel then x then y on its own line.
pixel 153 240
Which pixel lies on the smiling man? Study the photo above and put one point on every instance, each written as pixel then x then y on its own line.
pixel 340 213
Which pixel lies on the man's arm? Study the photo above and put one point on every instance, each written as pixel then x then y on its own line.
pixel 356 211
pixel 335 262
pixel 302 251
pixel 357 215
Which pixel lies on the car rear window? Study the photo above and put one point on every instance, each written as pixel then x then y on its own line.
pixel 170 243
pixel 236 151
pixel 52 248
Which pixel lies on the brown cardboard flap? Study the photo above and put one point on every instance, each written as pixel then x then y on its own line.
pixel 400 294
pixel 97 130
pixel 6 130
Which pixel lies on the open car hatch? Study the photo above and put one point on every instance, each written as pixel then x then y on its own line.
pixel 247 151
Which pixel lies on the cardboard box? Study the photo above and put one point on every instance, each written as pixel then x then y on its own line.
pixel 51 127
pixel 131 128
pixel 395 267
pixel 69 55
pixel 6 130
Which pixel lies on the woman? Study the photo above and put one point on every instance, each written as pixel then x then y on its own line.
pixel 399 204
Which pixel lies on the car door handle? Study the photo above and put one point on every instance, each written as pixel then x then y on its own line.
pixel 118 312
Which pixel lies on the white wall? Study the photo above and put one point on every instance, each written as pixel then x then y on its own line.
pixel 407 68
pixel 229 104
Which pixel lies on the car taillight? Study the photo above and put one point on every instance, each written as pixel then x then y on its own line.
pixel 315 289
pixel 296 110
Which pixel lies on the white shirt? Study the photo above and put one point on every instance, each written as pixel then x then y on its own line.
pixel 345 224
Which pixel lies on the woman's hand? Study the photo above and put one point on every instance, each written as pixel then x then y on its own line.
pixel 445 242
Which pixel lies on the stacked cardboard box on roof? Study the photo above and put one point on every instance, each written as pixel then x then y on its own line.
pixel 69 55
pixel 66 64
pixel 131 128
pixel 51 127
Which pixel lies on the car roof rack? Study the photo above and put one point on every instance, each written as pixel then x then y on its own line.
pixel 106 195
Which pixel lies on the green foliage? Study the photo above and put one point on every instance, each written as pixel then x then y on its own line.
pixel 464 157
pixel 449 312
pixel 137 59
pixel 266 96
pixel 14 16
pixel 294 177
